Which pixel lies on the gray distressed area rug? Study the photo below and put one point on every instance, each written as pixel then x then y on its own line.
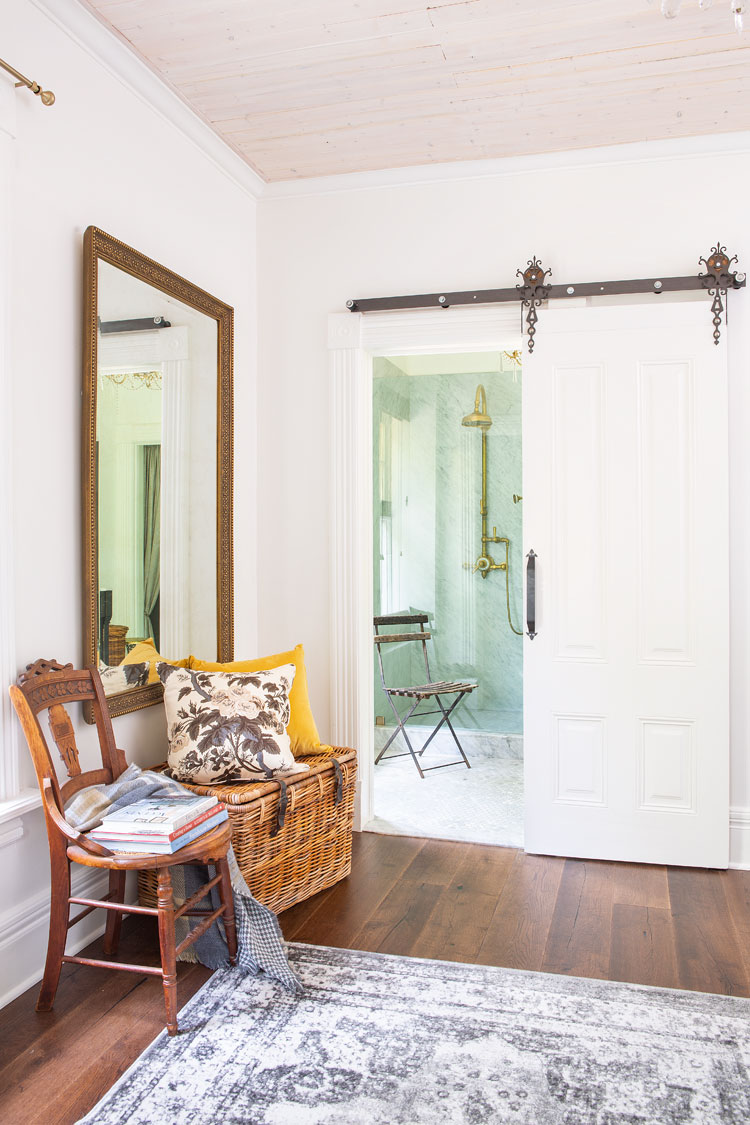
pixel 379 1040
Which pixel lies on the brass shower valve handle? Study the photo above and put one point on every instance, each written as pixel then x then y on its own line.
pixel 486 563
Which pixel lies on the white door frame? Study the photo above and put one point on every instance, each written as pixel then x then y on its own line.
pixel 353 340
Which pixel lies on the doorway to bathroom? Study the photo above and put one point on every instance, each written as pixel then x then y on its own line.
pixel 447 512
pixel 625 483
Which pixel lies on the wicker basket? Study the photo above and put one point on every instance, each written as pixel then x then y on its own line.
pixel 287 855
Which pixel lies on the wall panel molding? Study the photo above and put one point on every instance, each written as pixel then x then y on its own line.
pixel 666 457
pixel 667 765
pixel 580 760
pixel 578 512
pixel 24 926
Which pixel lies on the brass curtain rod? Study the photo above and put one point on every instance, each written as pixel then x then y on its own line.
pixel 48 98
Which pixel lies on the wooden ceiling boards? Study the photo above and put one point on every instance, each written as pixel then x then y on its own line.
pixel 303 88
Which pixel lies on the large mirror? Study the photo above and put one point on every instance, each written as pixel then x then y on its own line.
pixel 157 471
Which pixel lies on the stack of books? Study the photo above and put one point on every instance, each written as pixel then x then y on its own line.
pixel 160 825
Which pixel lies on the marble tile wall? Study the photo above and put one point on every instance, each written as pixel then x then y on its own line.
pixel 434 531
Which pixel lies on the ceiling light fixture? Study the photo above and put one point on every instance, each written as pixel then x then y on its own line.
pixel 671 9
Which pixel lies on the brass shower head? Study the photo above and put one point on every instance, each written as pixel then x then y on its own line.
pixel 479 416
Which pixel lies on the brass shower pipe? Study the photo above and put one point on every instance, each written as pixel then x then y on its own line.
pixel 480 419
pixel 46 96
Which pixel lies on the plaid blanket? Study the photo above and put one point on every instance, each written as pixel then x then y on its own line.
pixel 259 937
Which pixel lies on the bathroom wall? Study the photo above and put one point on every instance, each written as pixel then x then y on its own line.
pixel 437 536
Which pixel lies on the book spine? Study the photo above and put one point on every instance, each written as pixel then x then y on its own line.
pixel 132 833
pixel 147 847
pixel 166 827
pixel 188 817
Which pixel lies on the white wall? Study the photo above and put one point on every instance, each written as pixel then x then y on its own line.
pixel 100 156
pixel 644 218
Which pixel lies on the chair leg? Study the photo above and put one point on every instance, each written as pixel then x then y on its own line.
pixel 165 904
pixel 58 932
pixel 227 901
pixel 399 721
pixel 401 729
pixel 447 714
pixel 415 759
pixel 114 917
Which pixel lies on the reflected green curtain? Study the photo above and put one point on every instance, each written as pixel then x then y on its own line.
pixel 152 537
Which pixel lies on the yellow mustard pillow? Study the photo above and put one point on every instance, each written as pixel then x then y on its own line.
pixel 146 650
pixel 302 730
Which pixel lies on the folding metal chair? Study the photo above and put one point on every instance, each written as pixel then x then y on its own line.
pixel 432 689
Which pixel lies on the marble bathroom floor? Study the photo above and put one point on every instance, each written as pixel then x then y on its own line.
pixel 483 804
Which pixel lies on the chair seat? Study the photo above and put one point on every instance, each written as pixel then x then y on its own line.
pixel 211 845
pixel 424 691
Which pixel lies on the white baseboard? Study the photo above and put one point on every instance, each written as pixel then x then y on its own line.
pixel 739 837
pixel 24 928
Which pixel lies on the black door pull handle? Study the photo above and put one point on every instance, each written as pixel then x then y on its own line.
pixel 531 593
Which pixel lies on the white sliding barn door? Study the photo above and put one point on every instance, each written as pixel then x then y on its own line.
pixel 626 686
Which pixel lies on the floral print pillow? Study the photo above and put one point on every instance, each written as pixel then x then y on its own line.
pixel 227 726
pixel 120 677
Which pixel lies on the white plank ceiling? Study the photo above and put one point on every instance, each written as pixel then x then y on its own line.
pixel 317 87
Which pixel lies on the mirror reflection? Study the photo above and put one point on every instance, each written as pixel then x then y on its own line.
pixel 157 471
pixel 156 475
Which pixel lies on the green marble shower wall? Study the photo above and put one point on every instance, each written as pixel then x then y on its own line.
pixel 426 524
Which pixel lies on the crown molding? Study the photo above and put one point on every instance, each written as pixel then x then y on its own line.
pixel 640 152
pixel 122 62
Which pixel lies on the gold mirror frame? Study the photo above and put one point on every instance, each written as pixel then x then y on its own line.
pixel 99 246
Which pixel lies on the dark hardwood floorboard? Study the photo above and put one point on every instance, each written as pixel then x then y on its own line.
pixel 581 927
pixel 706 936
pixel 643 948
pixel 463 911
pixel 517 934
pixel 736 887
pixel 640 884
pixel 402 915
pixel 377 867
pixel 673 927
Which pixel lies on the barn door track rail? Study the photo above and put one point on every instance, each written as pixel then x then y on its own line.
pixel 534 288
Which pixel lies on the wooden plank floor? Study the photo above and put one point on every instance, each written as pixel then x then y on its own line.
pixel 674 927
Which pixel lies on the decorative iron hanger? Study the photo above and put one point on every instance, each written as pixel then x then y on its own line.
pixel 718 279
pixel 532 293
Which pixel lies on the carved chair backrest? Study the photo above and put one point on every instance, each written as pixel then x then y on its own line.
pixel 48 686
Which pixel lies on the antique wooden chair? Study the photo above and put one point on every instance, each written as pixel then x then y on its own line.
pixel 48 686
pixel 438 690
